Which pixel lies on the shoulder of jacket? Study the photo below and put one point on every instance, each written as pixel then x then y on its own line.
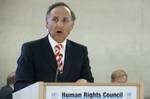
pixel 34 42
pixel 76 44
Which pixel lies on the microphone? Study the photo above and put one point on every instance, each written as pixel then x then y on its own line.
pixel 56 75
pixel 59 76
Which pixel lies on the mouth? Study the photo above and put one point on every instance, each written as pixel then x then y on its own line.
pixel 59 32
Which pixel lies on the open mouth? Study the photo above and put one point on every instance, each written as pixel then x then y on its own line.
pixel 59 32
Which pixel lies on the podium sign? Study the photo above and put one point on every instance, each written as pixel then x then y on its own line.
pixel 94 91
pixel 41 90
pixel 91 92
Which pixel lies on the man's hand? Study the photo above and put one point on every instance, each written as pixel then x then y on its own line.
pixel 81 81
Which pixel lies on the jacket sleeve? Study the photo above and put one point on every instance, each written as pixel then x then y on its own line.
pixel 86 69
pixel 25 68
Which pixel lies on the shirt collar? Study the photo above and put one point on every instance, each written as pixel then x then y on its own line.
pixel 12 86
pixel 53 42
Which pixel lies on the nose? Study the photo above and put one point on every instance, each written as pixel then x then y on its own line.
pixel 60 24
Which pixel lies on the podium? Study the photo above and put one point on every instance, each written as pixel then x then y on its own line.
pixel 41 90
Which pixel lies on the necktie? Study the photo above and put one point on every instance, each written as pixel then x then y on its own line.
pixel 59 56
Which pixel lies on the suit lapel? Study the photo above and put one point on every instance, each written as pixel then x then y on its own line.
pixel 48 53
pixel 50 58
pixel 67 62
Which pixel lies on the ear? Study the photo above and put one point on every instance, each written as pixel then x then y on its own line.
pixel 46 24
pixel 72 25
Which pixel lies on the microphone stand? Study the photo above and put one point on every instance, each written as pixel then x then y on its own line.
pixel 56 75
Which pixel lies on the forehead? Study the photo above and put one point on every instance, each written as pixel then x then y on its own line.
pixel 60 11
pixel 123 78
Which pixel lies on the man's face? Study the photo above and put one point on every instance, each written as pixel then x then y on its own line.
pixel 59 23
pixel 122 79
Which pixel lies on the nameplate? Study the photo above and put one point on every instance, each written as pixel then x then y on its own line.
pixel 91 92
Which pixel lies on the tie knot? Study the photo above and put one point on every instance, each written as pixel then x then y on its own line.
pixel 59 46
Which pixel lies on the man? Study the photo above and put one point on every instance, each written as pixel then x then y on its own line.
pixel 54 58
pixel 6 91
pixel 119 76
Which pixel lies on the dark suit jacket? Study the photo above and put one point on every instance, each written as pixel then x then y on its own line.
pixel 37 63
pixel 6 92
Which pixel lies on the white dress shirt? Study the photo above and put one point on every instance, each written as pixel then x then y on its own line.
pixel 53 43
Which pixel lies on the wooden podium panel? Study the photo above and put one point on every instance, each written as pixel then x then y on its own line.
pixel 41 90
pixel 34 91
